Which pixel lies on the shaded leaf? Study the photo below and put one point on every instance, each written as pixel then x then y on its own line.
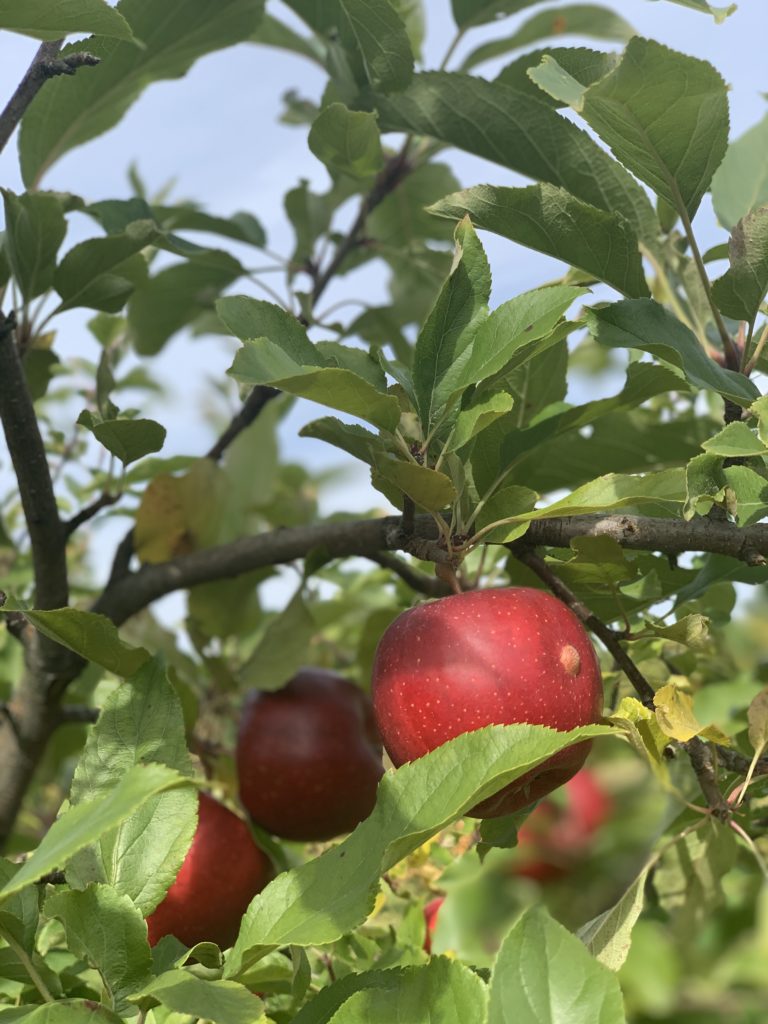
pixel 34 230
pixel 648 326
pixel 50 19
pixel 609 935
pixel 347 141
pixel 740 183
pixel 521 132
pixel 740 292
pixel 552 221
pixel 69 111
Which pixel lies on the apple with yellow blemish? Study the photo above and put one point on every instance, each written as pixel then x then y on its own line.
pixel 491 657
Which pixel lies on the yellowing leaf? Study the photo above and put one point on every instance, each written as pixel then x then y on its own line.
pixel 674 713
pixel 180 514
pixel 644 734
pixel 757 716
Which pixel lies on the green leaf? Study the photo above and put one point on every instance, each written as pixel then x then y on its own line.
pixel 586 20
pixel 355 440
pixel 552 221
pixel 79 826
pixel 220 1002
pixel 665 116
pixel 544 975
pixel 509 501
pixel 261 361
pixel 740 292
pixel 89 275
pixel 67 1011
pixel 381 39
pixel 688 878
pixel 176 295
pixel 704 484
pixel 740 183
pixel 609 935
pixel 657 494
pixel 347 141
pixel 129 440
pixel 718 13
pixel 748 489
pixel 690 630
pixel 477 12
pixel 249 318
pixel 70 111
pixel 584 65
pixel 735 440
pixel 141 722
pixel 105 928
pixel 428 488
pixel 513 333
pixel 50 19
pixel 34 230
pixel 90 635
pixel 272 32
pixel 242 226
pixel 19 914
pixel 646 325
pixel 441 991
pixel 449 329
pixel 518 131
pixel 482 411
pixel 326 897
pixel 282 649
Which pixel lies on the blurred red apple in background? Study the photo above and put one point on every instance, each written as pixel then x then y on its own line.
pixel 430 917
pixel 555 836
pixel 491 657
pixel 309 757
pixel 222 872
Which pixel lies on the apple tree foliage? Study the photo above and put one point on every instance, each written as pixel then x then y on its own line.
pixel 642 510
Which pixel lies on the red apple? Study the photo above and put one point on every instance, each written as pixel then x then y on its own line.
pixel 309 757
pixel 491 657
pixel 430 917
pixel 554 836
pixel 222 872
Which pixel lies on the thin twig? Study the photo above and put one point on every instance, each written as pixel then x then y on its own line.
pixel 396 169
pixel 45 64
pixel 251 408
pixel 608 637
pixel 703 765
pixel 103 501
pixel 78 714
pixel 418 581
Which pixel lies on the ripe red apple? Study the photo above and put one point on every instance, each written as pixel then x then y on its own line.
pixel 222 872
pixel 491 657
pixel 309 757
pixel 555 836
pixel 430 917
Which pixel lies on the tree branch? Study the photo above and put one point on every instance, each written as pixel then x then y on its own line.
pixel 103 501
pixel 44 65
pixel 251 408
pixel 25 446
pixel 608 637
pixel 418 581
pixel 395 170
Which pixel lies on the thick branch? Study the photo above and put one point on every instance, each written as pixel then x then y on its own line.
pixel 365 537
pixel 128 593
pixel 45 64
pixel 25 445
pixel 670 536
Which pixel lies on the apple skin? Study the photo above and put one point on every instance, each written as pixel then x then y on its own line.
pixel 309 757
pixel 430 917
pixel 491 657
pixel 222 872
pixel 554 838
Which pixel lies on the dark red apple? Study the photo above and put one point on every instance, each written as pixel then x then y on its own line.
pixel 222 872
pixel 430 917
pixel 491 657
pixel 556 836
pixel 309 757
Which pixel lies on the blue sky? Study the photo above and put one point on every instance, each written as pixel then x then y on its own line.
pixel 216 133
